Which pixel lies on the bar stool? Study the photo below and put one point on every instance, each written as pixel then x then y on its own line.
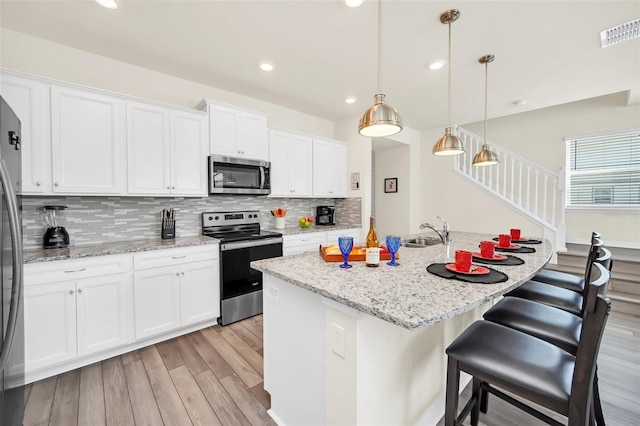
pixel 527 367
pixel 550 324
pixel 563 279
pixel 562 298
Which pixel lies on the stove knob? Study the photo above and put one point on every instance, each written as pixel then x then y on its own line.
pixel 211 218
pixel 217 217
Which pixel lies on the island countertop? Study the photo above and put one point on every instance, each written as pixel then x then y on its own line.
pixel 405 295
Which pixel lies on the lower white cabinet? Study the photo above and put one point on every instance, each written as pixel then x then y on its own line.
pixel 84 310
pixel 184 292
pixel 72 309
pixel 310 241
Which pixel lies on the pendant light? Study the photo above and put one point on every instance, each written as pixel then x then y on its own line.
pixel 486 157
pixel 381 119
pixel 449 144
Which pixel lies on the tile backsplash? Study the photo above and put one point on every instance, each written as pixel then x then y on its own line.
pixel 95 220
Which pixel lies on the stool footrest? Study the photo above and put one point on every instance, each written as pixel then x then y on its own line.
pixel 485 387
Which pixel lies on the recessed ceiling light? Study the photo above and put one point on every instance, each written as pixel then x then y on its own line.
pixel 266 66
pixel 436 65
pixel 109 4
pixel 351 99
pixel 520 103
pixel 353 3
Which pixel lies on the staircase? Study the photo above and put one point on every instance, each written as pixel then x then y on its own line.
pixel 529 189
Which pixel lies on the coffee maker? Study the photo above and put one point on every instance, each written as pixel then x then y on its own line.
pixel 53 217
pixel 325 215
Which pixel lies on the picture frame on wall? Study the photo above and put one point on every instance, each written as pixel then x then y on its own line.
pixel 391 185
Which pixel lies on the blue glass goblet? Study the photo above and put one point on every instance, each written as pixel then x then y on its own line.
pixel 346 245
pixel 393 244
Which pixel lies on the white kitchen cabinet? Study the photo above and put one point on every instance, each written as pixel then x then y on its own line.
pixel 237 133
pixel 299 243
pixel 29 99
pixel 291 157
pixel 75 308
pixel 87 142
pixel 50 324
pixel 329 168
pixel 157 301
pixel 332 236
pixel 166 151
pixel 175 288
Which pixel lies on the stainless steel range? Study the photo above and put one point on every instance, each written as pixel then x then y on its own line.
pixel 241 242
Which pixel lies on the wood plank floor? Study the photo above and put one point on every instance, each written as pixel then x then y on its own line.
pixel 215 377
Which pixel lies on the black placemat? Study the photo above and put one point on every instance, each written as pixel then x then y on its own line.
pixel 527 241
pixel 516 250
pixel 491 278
pixel 509 261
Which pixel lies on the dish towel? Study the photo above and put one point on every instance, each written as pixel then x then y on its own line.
pixel 491 278
pixel 509 261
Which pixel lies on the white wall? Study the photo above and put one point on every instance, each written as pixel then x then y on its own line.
pixel 539 136
pixel 398 213
pixel 40 57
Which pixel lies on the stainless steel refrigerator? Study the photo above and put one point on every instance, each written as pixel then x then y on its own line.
pixel 12 310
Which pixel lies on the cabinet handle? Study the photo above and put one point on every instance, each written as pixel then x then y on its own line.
pixel 179 257
pixel 55 184
pixel 177 274
pixel 173 187
pixel 181 273
pixel 168 187
pixel 79 290
pixel 38 183
pixel 70 291
pixel 75 270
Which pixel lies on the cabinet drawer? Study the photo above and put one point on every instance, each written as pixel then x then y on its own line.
pixel 73 269
pixel 310 239
pixel 332 236
pixel 159 258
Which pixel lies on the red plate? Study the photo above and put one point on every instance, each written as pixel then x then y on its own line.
pixel 475 269
pixel 496 256
pixel 510 247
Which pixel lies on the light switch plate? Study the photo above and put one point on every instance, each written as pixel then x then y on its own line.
pixel 337 340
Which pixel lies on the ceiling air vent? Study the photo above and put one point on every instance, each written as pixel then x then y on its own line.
pixel 620 33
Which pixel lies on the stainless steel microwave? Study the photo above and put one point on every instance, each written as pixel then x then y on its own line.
pixel 231 175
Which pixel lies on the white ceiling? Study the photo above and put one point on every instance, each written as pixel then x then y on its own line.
pixel 547 52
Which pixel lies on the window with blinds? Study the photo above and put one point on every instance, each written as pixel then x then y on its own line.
pixel 604 170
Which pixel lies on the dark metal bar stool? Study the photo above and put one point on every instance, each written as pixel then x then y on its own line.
pixel 562 298
pixel 550 324
pixel 527 367
pixel 563 279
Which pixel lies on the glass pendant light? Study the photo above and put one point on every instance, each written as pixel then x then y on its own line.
pixel 486 157
pixel 381 119
pixel 449 144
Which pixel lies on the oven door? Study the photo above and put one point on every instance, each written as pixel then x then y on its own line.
pixel 228 175
pixel 240 284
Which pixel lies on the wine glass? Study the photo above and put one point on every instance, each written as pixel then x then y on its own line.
pixel 346 245
pixel 393 244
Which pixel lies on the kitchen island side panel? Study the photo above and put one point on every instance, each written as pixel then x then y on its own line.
pixel 294 372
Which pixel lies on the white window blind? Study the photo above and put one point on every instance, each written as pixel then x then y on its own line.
pixel 604 170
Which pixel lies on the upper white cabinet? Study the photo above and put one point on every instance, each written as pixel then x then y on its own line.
pixel 87 142
pixel 167 151
pixel 29 99
pixel 291 157
pixel 237 133
pixel 329 168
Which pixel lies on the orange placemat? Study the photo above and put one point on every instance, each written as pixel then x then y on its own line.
pixel 332 253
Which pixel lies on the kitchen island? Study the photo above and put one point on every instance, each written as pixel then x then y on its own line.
pixel 367 345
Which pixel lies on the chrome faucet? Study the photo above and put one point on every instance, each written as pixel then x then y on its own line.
pixel 443 234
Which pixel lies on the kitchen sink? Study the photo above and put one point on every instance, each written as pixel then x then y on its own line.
pixel 420 242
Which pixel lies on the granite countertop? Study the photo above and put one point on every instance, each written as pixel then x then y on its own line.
pixel 296 229
pixel 405 295
pixel 42 255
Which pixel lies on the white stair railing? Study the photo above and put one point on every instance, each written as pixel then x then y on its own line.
pixel 528 188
